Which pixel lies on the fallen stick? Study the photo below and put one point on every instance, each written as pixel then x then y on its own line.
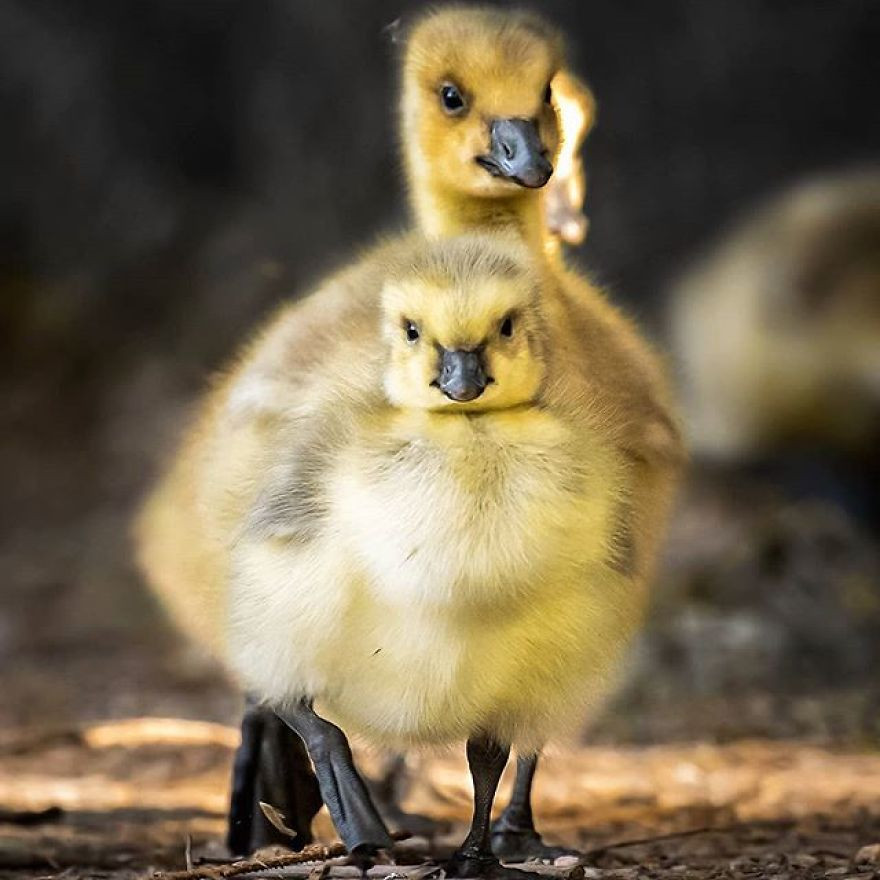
pixel 316 852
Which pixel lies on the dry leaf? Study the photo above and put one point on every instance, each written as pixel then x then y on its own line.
pixel 276 818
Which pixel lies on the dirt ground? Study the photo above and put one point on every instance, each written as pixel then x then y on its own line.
pixel 130 798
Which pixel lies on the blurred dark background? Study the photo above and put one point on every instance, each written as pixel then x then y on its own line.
pixel 172 168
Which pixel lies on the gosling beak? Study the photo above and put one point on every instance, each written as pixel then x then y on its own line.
pixel 461 375
pixel 516 152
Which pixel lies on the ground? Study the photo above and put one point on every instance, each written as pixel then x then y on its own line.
pixel 135 797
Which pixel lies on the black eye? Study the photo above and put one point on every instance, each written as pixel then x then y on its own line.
pixel 411 330
pixel 548 94
pixel 451 98
pixel 507 327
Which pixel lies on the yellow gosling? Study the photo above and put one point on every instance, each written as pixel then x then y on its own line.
pixel 414 500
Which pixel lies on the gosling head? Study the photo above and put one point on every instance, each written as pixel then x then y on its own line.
pixel 477 113
pixel 463 323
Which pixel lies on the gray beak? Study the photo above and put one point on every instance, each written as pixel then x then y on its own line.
pixel 516 152
pixel 461 376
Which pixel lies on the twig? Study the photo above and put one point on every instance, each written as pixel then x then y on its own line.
pixel 317 852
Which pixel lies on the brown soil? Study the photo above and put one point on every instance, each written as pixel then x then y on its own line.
pixel 136 796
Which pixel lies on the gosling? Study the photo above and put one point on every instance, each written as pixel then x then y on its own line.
pixel 478 125
pixel 796 287
pixel 407 507
pixel 792 382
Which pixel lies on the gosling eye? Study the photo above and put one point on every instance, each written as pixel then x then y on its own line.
pixel 411 330
pixel 506 328
pixel 452 99
pixel 548 94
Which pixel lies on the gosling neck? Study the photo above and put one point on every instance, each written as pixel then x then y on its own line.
pixel 440 212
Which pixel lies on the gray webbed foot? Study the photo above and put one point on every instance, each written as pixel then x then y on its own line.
pixel 355 816
pixel 468 864
pixel 271 766
pixel 525 845
pixel 359 825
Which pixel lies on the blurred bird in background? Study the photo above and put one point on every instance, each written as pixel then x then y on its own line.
pixel 777 331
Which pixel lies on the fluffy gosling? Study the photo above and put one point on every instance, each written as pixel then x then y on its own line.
pixel 488 110
pixel 777 327
pixel 478 125
pixel 409 505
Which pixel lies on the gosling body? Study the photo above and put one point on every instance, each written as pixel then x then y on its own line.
pixel 410 507
pixel 422 573
pixel 455 589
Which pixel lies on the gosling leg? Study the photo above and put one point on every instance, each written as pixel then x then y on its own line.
pixel 474 858
pixel 356 819
pixel 244 781
pixel 514 838
pixel 287 782
pixel 270 765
